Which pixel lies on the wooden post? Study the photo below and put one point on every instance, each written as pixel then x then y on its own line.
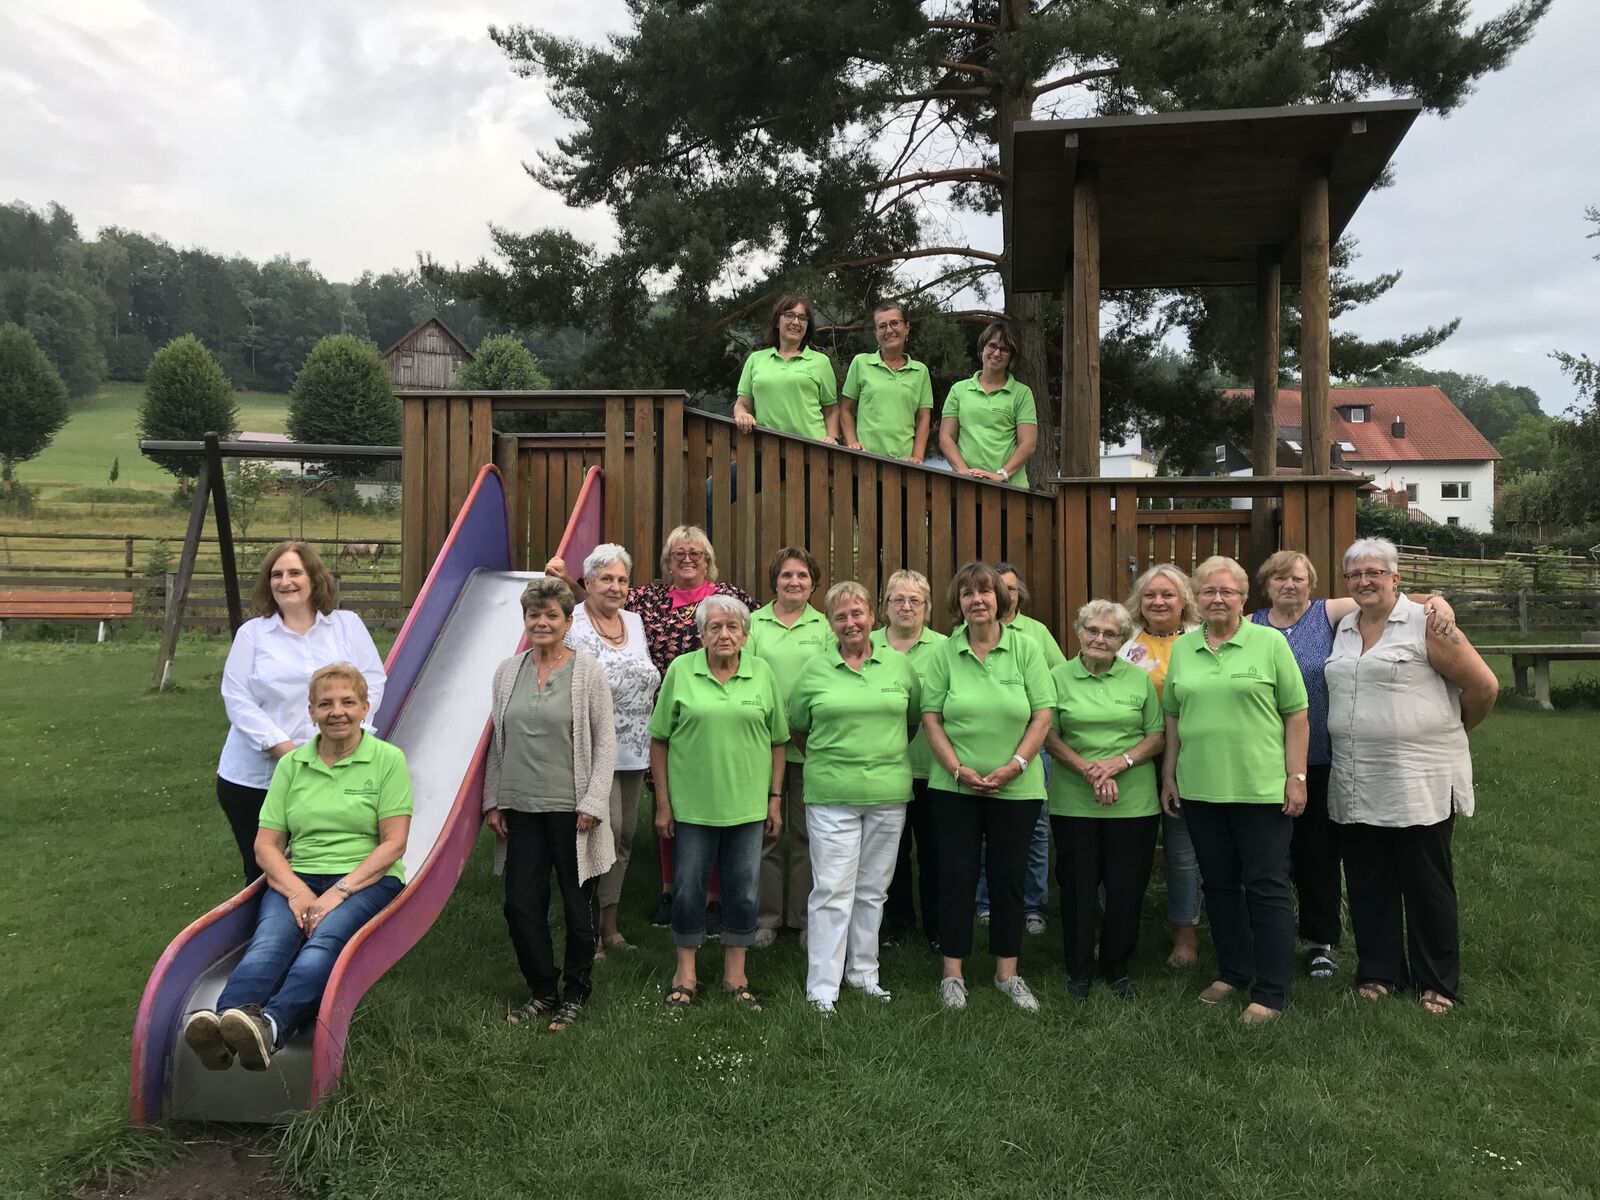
pixel 127 557
pixel 178 594
pixel 1522 610
pixel 1314 421
pixel 1264 408
pixel 230 565
pixel 1080 414
pixel 1064 458
pixel 413 503
pixel 505 457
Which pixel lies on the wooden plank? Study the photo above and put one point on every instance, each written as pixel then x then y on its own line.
pixel 673 496
pixel 966 547
pixel 505 461
pixel 460 450
pixel 747 506
pixel 642 480
pixel 1081 418
pixel 917 508
pixel 869 525
pixel 696 505
pixel 1102 543
pixel 941 553
pixel 436 491
pixel 1072 530
pixel 482 418
pixel 819 521
pixel 1014 545
pixel 1344 534
pixel 1193 516
pixel 1292 518
pixel 794 514
pixel 991 509
pixel 1035 520
pixel 841 562
pixel 720 448
pixel 616 465
pixel 1183 553
pixel 1160 548
pixel 528 485
pixel 1264 398
pixel 1319 530
pixel 892 521
pixel 574 469
pixel 1315 431
pixel 1127 542
pixel 413 506
pixel 776 486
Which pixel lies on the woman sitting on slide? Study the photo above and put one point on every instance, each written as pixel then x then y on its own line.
pixel 341 804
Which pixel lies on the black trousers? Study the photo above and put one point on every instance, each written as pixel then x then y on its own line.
pixel 242 806
pixel 1403 897
pixel 1117 852
pixel 538 844
pixel 1243 852
pixel 899 911
pixel 989 834
pixel 1314 863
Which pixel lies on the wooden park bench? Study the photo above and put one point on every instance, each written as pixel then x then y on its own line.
pixel 1540 658
pixel 66 606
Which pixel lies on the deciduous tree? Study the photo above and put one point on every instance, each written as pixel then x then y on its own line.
pixel 343 395
pixel 33 400
pixel 186 396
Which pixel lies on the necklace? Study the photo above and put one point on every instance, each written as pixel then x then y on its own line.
pixel 617 638
pixel 1216 645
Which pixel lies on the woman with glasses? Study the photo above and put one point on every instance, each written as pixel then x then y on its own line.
pixel 1401 699
pixel 786 385
pixel 887 404
pixel 989 428
pixel 1288 579
pixel 1235 766
pixel 666 608
pixel 907 603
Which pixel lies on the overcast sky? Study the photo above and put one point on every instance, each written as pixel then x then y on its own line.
pixel 356 135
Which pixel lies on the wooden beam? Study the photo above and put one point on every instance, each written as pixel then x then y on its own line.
pixel 1080 424
pixel 219 508
pixel 1314 423
pixel 178 595
pixel 1264 409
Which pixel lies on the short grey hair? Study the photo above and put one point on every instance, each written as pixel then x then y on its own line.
pixel 725 602
pixel 1381 549
pixel 1104 608
pixel 604 555
pixel 547 589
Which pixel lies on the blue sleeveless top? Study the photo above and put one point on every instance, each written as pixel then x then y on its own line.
pixel 1311 639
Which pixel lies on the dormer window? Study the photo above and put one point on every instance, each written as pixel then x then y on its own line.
pixel 1356 414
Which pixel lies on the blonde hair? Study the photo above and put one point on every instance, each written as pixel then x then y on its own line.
pixel 914 579
pixel 847 589
pixel 1220 562
pixel 1282 563
pixel 1188 618
pixel 1104 608
pixel 696 535
pixel 348 672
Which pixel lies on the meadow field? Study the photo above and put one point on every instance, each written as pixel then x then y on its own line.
pixel 114 842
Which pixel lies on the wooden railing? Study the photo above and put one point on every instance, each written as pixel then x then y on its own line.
pixel 861 515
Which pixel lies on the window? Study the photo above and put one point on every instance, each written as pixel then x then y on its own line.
pixel 1411 492
pixel 1358 415
pixel 1222 454
pixel 1348 447
pixel 1458 490
pixel 1293 445
pixel 1452 520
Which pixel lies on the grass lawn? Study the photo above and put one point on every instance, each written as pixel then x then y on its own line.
pixel 113 842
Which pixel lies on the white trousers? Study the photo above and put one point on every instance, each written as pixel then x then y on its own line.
pixel 853 852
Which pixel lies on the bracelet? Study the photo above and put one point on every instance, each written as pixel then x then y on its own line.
pixel 1127 758
pixel 1004 474
pixel 1020 761
pixel 774 795
pixel 342 885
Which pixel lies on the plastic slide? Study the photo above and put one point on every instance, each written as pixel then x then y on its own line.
pixel 466 619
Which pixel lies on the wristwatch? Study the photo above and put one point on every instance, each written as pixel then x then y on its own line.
pixel 342 886
pixel 1127 758
pixel 1301 777
pixel 1004 474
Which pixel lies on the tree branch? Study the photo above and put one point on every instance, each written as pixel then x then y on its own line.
pixel 969 26
pixel 1069 80
pixel 943 94
pixel 924 252
pixel 962 68
pixel 963 174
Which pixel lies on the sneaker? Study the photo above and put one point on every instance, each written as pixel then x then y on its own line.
pixel 953 993
pixel 1033 923
pixel 825 1007
pixel 764 939
pixel 203 1033
pixel 1123 988
pixel 874 991
pixel 249 1035
pixel 1019 991
pixel 713 920
pixel 662 917
pixel 1319 962
pixel 983 916
pixel 1078 989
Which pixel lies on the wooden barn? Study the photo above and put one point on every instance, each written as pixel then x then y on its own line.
pixel 427 357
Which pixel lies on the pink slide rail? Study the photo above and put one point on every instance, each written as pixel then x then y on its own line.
pixel 480 538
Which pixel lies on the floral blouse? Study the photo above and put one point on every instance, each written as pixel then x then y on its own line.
pixel 633 679
pixel 670 632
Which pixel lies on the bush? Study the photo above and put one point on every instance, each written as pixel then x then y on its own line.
pixel 186 396
pixel 1513 575
pixel 17 498
pixel 1446 541
pixel 1580 693
pixel 33 400
pixel 344 395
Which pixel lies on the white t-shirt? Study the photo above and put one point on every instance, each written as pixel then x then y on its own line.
pixel 633 679
pixel 265 683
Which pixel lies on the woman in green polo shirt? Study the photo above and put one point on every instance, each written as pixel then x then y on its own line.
pixel 341 804
pixel 1105 731
pixel 887 402
pixel 787 634
pixel 988 428
pixel 716 753
pixel 786 385
pixel 986 703
pixel 1235 705
pixel 854 710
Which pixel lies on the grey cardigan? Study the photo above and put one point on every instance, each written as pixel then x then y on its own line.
pixel 594 755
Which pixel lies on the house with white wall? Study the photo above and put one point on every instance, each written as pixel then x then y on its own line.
pixel 1130 460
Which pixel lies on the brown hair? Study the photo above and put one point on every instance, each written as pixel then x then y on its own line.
pixel 800 554
pixel 341 670
pixel 547 589
pixel 976 577
pixel 784 304
pixel 1002 330
pixel 324 591
pixel 1282 563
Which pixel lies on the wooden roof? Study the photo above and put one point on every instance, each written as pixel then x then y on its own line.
pixel 431 319
pixel 1186 199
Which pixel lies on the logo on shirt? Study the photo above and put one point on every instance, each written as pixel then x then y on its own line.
pixel 367 787
pixel 751 703
pixel 1130 702
pixel 1247 673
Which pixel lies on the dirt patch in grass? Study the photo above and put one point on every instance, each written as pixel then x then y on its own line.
pixel 239 1170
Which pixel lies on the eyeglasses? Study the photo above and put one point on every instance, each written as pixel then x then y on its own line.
pixel 1220 593
pixel 887 326
pixel 1369 573
pixel 687 555
pixel 802 317
pixel 1100 635
pixel 904 601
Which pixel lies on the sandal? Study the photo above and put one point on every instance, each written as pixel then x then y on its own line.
pixel 534 1007
pixel 743 997
pixel 1319 962
pixel 615 941
pixel 569 1012
pixel 680 996
pixel 1373 992
pixel 1215 993
pixel 1436 1004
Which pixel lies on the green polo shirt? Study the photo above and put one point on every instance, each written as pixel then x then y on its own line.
pixel 1102 716
pixel 919 656
pixel 987 706
pixel 789 394
pixel 331 814
pixel 887 403
pixel 1230 706
pixel 858 727
pixel 719 739
pixel 988 433
pixel 787 649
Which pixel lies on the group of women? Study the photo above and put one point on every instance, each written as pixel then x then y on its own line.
pixel 988 426
pixel 799 760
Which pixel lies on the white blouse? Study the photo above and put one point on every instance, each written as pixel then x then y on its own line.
pixel 265 681
pixel 633 678
pixel 1400 753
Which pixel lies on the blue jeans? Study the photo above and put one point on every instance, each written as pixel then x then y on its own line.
pixel 283 971
pixel 696 849
pixel 1183 872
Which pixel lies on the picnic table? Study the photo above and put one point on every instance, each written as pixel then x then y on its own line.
pixel 1539 659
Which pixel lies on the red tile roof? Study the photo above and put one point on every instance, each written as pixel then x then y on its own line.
pixel 1436 430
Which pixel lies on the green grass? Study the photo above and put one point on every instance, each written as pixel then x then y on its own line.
pixel 113 842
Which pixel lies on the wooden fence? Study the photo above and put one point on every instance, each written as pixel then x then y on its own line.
pixel 1524 611
pixel 43 552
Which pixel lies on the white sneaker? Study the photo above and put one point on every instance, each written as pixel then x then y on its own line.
pixel 1019 991
pixel 764 939
pixel 1033 923
pixel 953 993
pixel 874 991
pixel 825 1007
pixel 983 916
